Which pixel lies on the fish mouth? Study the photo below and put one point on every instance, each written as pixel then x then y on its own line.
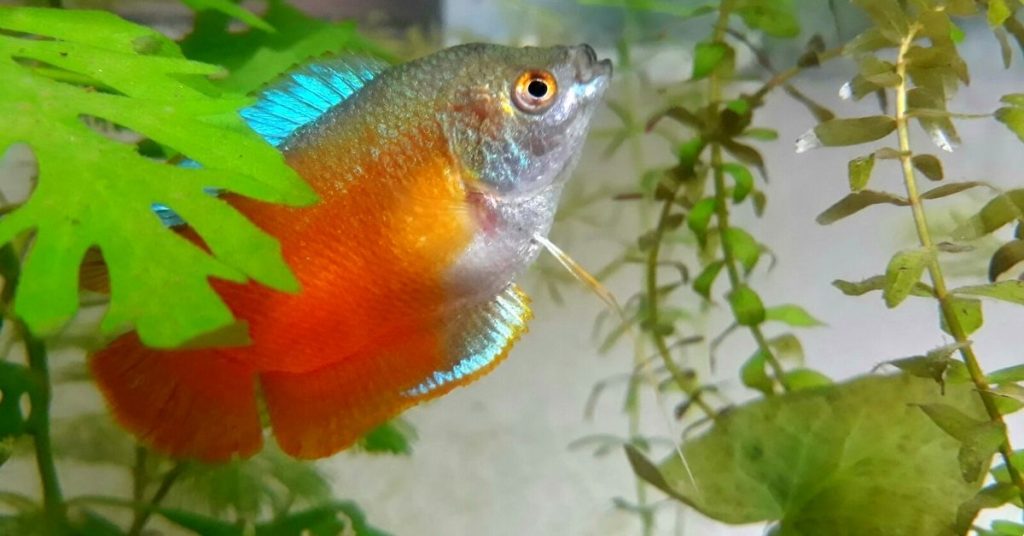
pixel 588 67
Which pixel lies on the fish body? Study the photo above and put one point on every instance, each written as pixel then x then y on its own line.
pixel 433 177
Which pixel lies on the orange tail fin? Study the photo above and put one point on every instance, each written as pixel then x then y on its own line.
pixel 184 403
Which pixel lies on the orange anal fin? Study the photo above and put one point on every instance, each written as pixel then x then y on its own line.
pixel 183 403
pixel 317 413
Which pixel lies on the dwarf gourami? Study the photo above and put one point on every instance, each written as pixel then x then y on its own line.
pixel 434 179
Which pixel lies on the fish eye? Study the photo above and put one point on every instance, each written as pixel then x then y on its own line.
pixel 534 91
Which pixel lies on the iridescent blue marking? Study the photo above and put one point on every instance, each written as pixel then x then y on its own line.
pixel 306 95
pixel 488 331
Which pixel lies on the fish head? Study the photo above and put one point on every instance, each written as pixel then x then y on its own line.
pixel 517 118
pixel 515 121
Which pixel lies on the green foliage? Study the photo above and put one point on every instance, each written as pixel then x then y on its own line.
pixel 159 281
pixel 395 437
pixel 16 385
pixel 855 455
pixel 903 274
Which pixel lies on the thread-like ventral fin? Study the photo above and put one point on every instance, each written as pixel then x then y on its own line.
pixel 306 94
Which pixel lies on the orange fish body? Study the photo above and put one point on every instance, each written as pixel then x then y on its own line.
pixel 405 266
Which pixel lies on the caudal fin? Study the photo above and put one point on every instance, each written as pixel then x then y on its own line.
pixel 183 403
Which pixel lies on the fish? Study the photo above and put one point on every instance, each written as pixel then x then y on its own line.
pixel 435 178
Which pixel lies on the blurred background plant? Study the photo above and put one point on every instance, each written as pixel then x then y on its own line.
pixel 673 210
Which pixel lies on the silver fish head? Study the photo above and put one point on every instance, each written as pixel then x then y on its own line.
pixel 516 118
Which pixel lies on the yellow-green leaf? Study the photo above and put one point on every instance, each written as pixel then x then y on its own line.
pixel 903 273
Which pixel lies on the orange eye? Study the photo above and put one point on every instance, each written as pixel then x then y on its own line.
pixel 534 91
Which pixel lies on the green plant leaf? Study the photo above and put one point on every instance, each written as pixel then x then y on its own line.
pixel 841 132
pixel 711 57
pixel 801 379
pixel 793 315
pixel 743 178
pixel 776 18
pixel 1002 209
pixel 936 364
pixel 230 8
pixel 160 281
pixel 992 496
pixel 1007 375
pixel 998 12
pixel 1013 118
pixel 92 438
pixel 856 202
pixel 700 216
pixel 968 313
pixel 674 9
pixel 952 188
pixel 859 288
pixel 1005 258
pixel 850 455
pixel 254 58
pixel 703 282
pixel 746 306
pixel 743 247
pixel 929 165
pixel 1009 291
pixel 979 439
pixel 753 374
pixel 859 170
pixel 393 437
pixel 903 273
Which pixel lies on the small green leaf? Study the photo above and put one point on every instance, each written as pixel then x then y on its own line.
pixel 1009 291
pixel 746 306
pixel 936 364
pixel 856 202
pixel 393 437
pixel 702 283
pixel 743 247
pixel 700 216
pixel 709 57
pixel 793 315
pixel 998 12
pixel 743 178
pixel 1007 375
pixel 761 134
pixel 1013 118
pixel 928 165
pixel 979 439
pixel 1002 209
pixel 860 172
pixel 859 288
pixel 776 18
pixel 16 383
pixel 841 132
pixel 992 496
pixel 968 314
pixel 1005 258
pixel 950 189
pixel 801 379
pixel 903 273
pixel 753 374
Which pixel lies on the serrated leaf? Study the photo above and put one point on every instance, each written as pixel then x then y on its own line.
pixel 1002 209
pixel 859 171
pixel 888 470
pixel 702 283
pixel 255 58
pixel 229 8
pixel 903 273
pixel 968 314
pixel 1009 291
pixel 857 201
pixel 929 166
pixel 746 305
pixel 742 246
pixel 160 281
pixel 842 132
pixel 743 178
pixel 709 57
pixel 793 315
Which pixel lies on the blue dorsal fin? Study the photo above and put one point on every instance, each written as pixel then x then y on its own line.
pixel 306 94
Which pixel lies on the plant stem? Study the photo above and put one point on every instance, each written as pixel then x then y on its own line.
pixel 39 417
pixel 143 514
pixel 722 203
pixel 946 305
